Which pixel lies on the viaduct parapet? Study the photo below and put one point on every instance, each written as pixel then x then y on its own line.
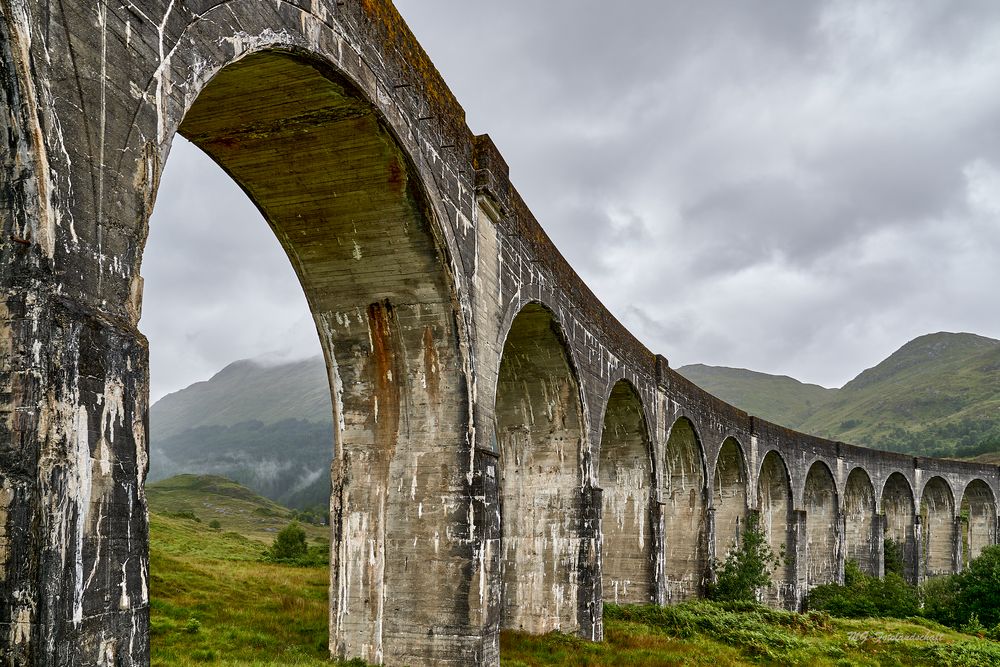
pixel 507 454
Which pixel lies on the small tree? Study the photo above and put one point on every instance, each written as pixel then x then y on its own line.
pixel 747 568
pixel 289 544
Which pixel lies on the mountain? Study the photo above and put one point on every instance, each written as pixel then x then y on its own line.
pixel 777 398
pixel 937 395
pixel 245 390
pixel 266 425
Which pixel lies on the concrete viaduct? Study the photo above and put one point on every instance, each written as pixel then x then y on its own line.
pixel 507 454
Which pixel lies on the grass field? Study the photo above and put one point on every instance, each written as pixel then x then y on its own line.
pixel 215 601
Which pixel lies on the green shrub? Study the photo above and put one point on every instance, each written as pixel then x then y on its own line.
pixel 289 545
pixel 863 596
pixel 940 600
pixel 193 626
pixel 214 524
pixel 979 588
pixel 747 568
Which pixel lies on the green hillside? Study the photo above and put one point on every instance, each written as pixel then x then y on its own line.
pixel 938 395
pixel 208 498
pixel 214 600
pixel 268 426
pixel 777 398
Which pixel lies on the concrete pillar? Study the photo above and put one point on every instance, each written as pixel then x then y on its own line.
pixel 656 509
pixel 710 536
pixel 956 540
pixel 878 544
pixel 919 565
pixel 798 538
pixel 589 604
pixel 841 546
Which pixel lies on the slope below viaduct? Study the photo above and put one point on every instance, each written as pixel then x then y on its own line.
pixel 507 454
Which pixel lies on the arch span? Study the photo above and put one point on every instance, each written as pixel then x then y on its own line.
pixel 774 501
pixel 979 519
pixel 819 500
pixel 900 539
pixel 345 201
pixel 540 432
pixel 937 520
pixel 859 517
pixel 686 558
pixel 626 478
pixel 729 496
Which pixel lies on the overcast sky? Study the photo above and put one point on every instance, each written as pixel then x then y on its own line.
pixel 793 187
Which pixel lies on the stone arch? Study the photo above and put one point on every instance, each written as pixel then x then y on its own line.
pixel 898 511
pixel 979 519
pixel 345 201
pixel 625 474
pixel 539 417
pixel 729 496
pixel 774 502
pixel 859 517
pixel 937 519
pixel 684 495
pixel 819 500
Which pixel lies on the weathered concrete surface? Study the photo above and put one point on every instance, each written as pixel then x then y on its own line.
pixel 490 470
pixel 859 521
pixel 628 567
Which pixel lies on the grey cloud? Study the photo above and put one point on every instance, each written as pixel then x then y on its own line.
pixel 795 187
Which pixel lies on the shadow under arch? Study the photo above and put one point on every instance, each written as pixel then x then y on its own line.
pixel 625 474
pixel 938 522
pixel 819 500
pixel 859 521
pixel 729 497
pixel 349 208
pixel 539 419
pixel 774 502
pixel 685 513
pixel 979 519
pixel 899 512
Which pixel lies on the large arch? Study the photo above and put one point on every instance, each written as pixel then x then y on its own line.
pixel 937 519
pixel 774 502
pixel 979 519
pixel 346 202
pixel 859 516
pixel 540 432
pixel 898 510
pixel 819 500
pixel 729 497
pixel 685 530
pixel 626 478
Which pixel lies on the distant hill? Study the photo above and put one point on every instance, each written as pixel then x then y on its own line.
pixel 266 425
pixel 777 398
pixel 246 390
pixel 938 395
pixel 207 498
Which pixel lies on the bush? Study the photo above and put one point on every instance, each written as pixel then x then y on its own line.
pixel 747 568
pixel 289 545
pixel 979 589
pixel 940 599
pixel 863 596
pixel 214 524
